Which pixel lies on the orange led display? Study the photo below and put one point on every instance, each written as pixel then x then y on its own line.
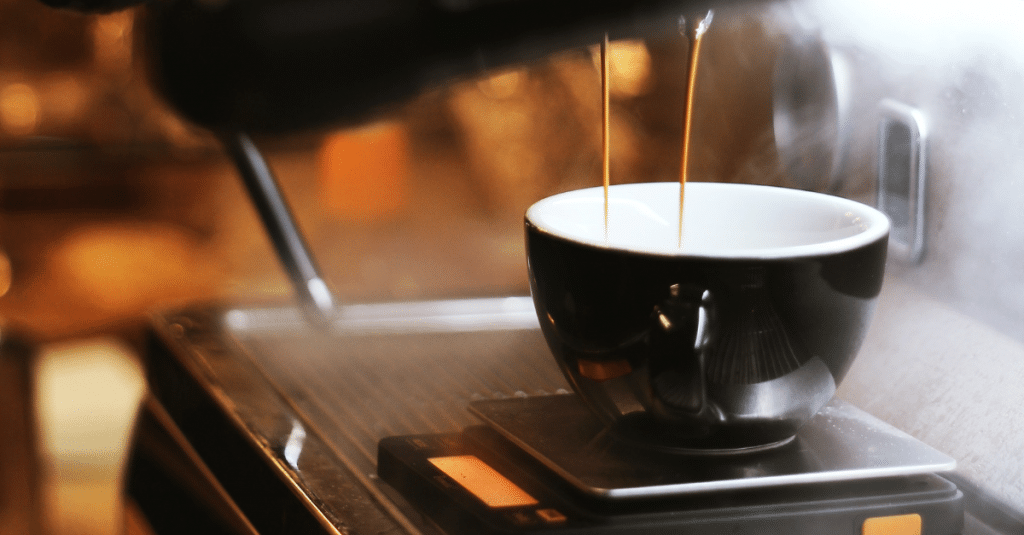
pixel 482 481
pixel 893 525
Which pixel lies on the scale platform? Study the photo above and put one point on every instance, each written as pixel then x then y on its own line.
pixel 841 443
pixel 546 464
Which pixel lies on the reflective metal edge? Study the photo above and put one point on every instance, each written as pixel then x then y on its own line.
pixel 454 315
pixel 227 408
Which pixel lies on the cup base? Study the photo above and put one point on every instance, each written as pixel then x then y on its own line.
pixel 635 433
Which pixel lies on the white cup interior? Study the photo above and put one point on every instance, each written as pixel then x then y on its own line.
pixel 720 220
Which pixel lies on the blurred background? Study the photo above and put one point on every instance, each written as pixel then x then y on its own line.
pixel 111 207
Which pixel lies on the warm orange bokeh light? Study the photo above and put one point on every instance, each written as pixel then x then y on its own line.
pixel 19 109
pixel 363 172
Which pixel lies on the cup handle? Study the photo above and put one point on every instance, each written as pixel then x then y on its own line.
pixel 678 381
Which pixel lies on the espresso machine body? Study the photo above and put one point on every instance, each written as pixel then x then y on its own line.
pixel 861 108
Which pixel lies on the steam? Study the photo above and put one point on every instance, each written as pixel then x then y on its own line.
pixel 920 32
pixel 963 68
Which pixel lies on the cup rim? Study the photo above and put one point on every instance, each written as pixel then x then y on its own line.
pixel 875 225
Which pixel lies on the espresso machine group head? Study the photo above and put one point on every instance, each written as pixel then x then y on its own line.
pixel 271 66
pixel 277 67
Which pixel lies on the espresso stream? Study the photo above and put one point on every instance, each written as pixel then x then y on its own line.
pixel 605 137
pixel 694 35
pixel 693 56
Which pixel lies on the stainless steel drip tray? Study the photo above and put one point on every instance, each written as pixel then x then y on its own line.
pixel 313 405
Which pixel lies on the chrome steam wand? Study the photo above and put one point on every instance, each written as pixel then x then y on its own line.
pixel 315 299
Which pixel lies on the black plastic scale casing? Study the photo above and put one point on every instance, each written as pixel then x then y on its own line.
pixel 826 508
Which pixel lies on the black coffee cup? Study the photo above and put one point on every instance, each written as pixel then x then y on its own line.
pixel 728 341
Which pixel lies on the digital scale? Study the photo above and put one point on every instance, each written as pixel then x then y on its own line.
pixel 546 464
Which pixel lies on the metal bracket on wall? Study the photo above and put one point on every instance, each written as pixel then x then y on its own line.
pixel 901 177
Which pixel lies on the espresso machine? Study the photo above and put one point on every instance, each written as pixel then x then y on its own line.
pixel 451 416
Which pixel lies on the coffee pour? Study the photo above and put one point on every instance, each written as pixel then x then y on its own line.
pixel 694 35
pixel 751 346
